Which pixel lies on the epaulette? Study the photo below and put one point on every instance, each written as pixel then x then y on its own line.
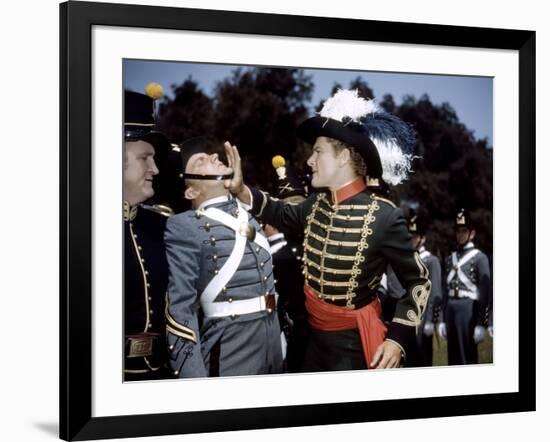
pixel 160 209
pixel 379 198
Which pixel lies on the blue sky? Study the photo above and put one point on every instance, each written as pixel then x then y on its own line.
pixel 471 97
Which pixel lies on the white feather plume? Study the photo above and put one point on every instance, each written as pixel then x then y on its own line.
pixel 396 164
pixel 347 103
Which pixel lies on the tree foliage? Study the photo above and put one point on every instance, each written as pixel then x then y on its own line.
pixel 258 109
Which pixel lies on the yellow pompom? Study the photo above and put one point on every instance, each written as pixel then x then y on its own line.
pixel 154 90
pixel 278 161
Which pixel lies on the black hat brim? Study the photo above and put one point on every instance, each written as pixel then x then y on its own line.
pixel 350 133
pixel 192 146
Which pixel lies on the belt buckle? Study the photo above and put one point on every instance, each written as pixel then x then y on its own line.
pixel 140 345
pixel 269 302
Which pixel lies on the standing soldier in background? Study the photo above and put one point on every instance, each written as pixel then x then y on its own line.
pixel 418 230
pixel 423 354
pixel 287 268
pixel 468 282
pixel 145 267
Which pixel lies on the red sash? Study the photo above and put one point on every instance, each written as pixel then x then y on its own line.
pixel 328 317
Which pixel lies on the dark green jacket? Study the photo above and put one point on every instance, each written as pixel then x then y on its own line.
pixel 347 248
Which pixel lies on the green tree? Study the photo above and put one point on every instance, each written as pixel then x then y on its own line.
pixel 258 109
pixel 453 170
pixel 188 114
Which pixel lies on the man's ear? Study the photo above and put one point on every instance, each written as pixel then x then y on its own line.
pixel 191 193
pixel 472 234
pixel 344 157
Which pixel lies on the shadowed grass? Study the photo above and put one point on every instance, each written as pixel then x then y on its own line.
pixel 484 351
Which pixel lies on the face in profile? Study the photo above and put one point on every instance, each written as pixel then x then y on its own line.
pixel 417 241
pixel 139 170
pixel 323 163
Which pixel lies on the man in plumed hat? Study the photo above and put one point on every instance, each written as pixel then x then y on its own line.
pixel 287 254
pixel 351 235
pixel 145 267
pixel 468 285
pixel 221 315
pixel 418 226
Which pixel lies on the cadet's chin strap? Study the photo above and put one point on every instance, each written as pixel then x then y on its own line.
pixel 192 176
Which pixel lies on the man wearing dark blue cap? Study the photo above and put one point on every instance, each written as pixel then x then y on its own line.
pixel 351 235
pixel 221 315
pixel 145 268
pixel 468 283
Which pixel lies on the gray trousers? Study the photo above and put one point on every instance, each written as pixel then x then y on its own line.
pixel 245 345
pixel 460 317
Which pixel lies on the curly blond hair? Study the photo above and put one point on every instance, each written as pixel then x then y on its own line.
pixel 357 161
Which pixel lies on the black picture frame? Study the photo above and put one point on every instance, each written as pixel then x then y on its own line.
pixel 76 21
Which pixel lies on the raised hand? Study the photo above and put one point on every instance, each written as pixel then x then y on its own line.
pixel 236 184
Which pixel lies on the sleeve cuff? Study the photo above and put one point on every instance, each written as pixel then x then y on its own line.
pixel 402 335
pixel 258 201
pixel 248 207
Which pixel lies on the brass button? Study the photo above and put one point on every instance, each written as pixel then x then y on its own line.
pixel 230 300
pixel 150 326
pixel 171 348
pixel 257 250
pixel 149 298
pixel 176 373
pixel 151 312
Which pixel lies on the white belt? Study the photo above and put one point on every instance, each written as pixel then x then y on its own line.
pixel 463 294
pixel 238 307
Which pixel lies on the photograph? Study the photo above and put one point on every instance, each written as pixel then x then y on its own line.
pixel 276 221
pixel 294 220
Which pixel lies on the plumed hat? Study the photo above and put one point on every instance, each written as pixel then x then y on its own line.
pixel 139 114
pixel 416 223
pixel 384 141
pixel 288 182
pixel 463 218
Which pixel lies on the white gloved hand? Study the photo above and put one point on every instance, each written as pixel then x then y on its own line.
pixel 429 328
pixel 479 334
pixel 490 330
pixel 442 330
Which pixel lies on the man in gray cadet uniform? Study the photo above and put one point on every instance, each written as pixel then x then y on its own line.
pixel 221 314
pixel 418 229
pixel 422 356
pixel 465 300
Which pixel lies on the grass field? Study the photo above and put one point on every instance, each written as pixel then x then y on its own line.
pixel 484 349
